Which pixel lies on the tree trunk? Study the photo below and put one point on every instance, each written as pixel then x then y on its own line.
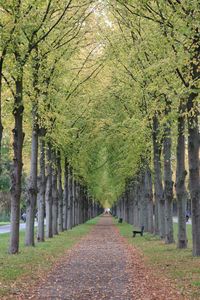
pixel 54 195
pixel 143 203
pixel 194 180
pixel 48 192
pixel 60 193
pixel 168 183
pixel 1 125
pixel 18 138
pixel 136 206
pixel 81 205
pixel 149 199
pixel 69 213
pixel 32 187
pixel 156 218
pixel 66 192
pixel 158 187
pixel 180 181
pixel 41 193
pixel 73 200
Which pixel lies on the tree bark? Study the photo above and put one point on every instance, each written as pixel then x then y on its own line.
pixel 168 183
pixel 1 125
pixel 143 203
pixel 180 181
pixel 48 192
pixel 194 180
pixel 158 186
pixel 69 213
pixel 66 192
pixel 149 199
pixel 18 138
pixel 32 187
pixel 73 199
pixel 54 195
pixel 41 193
pixel 60 193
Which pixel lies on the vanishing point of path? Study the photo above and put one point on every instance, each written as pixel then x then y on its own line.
pixel 102 266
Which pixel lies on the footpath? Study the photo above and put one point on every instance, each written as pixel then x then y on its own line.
pixel 102 266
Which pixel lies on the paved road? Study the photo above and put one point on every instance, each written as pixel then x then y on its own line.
pixel 175 220
pixel 6 228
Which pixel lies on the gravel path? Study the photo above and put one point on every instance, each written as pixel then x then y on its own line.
pixel 102 266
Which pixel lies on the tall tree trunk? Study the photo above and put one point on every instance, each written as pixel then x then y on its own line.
pixel 158 187
pixel 143 203
pixel 69 214
pixel 86 205
pixel 32 186
pixel 149 199
pixel 60 193
pixel 32 182
pixel 18 138
pixel 1 125
pixel 180 180
pixel 41 193
pixel 77 195
pixel 73 199
pixel 156 218
pixel 81 205
pixel 66 192
pixel 193 156
pixel 136 205
pixel 168 183
pixel 48 192
pixel 54 195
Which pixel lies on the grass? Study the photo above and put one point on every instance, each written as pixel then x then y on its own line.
pixel 178 265
pixel 4 223
pixel 32 262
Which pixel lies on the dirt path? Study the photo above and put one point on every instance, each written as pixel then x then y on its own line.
pixel 102 266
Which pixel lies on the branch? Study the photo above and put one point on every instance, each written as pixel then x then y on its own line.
pixel 97 71
pixel 9 85
pixel 186 84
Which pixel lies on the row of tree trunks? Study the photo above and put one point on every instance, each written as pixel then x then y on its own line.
pixel 136 204
pixel 63 209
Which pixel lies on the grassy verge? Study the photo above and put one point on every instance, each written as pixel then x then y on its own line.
pixel 32 262
pixel 4 223
pixel 177 265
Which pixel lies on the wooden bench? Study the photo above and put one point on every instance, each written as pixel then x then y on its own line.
pixel 120 220
pixel 138 231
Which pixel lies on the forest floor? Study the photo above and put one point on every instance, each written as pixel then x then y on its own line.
pixel 103 265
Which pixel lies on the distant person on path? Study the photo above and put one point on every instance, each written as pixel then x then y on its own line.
pixel 187 216
pixel 24 216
